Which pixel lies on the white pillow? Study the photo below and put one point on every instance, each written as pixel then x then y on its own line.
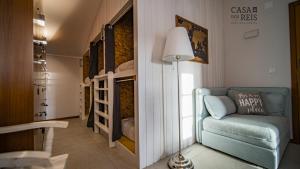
pixel 219 106
pixel 87 80
pixel 125 66
pixel 102 72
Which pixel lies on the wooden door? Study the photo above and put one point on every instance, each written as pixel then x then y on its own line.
pixel 16 67
pixel 294 9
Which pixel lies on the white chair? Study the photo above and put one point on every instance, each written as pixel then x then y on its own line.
pixel 34 159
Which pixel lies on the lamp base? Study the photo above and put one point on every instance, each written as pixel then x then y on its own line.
pixel 178 161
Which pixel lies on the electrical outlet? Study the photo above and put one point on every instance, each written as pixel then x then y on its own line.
pixel 272 70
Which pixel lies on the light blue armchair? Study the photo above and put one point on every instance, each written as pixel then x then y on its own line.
pixel 258 139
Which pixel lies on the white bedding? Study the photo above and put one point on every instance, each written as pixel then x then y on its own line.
pixel 101 72
pixel 125 66
pixel 87 81
pixel 128 128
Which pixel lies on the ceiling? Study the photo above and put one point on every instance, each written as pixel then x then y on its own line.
pixel 68 24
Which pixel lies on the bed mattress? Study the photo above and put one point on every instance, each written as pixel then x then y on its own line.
pixel 128 128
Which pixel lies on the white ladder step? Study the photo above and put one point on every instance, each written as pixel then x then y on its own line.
pixel 101 101
pixel 102 89
pixel 102 114
pixel 102 127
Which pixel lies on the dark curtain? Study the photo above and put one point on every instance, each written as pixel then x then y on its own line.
pixel 93 70
pixel 109 49
pixel 90 121
pixel 117 128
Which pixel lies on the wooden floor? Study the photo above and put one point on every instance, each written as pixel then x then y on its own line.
pixel 128 143
pixel 88 150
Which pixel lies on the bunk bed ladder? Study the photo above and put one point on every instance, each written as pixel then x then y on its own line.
pixel 105 99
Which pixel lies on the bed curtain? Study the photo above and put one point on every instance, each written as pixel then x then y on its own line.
pixel 93 70
pixel 109 49
pixel 117 127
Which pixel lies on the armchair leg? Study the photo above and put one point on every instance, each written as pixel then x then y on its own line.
pixel 48 142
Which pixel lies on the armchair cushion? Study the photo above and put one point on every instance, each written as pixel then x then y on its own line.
pixel 263 131
pixel 219 106
pixel 274 103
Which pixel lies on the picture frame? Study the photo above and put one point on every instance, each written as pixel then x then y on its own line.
pixel 199 39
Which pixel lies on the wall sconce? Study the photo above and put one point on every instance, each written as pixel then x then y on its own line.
pixel 39 28
pixel 251 34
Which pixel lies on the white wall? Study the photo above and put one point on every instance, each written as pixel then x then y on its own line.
pixel 63 89
pixel 158 126
pixel 261 61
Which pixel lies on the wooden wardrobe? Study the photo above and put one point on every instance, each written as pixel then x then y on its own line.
pixel 16 68
pixel 294 10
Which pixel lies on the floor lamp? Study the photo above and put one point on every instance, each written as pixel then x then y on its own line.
pixel 178 48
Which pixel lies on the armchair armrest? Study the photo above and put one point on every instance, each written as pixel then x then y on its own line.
pixel 200 109
pixel 34 125
pixel 49 125
pixel 32 158
pixel 24 158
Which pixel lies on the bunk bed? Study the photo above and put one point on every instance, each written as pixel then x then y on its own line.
pixel 124 75
pixel 115 84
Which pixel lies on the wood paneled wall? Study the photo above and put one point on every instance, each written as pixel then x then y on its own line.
pixel 16 67
pixel 157 88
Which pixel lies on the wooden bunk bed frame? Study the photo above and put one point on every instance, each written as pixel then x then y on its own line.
pixel 104 94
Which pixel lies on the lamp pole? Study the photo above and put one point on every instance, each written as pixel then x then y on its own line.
pixel 179 161
pixel 178 102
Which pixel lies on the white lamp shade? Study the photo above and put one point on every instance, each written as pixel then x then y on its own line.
pixel 178 44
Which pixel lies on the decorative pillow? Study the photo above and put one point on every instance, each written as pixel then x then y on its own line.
pixel 219 106
pixel 250 103
pixel 274 103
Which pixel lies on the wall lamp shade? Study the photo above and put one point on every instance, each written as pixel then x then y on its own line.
pixel 39 20
pixel 39 29
pixel 178 45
